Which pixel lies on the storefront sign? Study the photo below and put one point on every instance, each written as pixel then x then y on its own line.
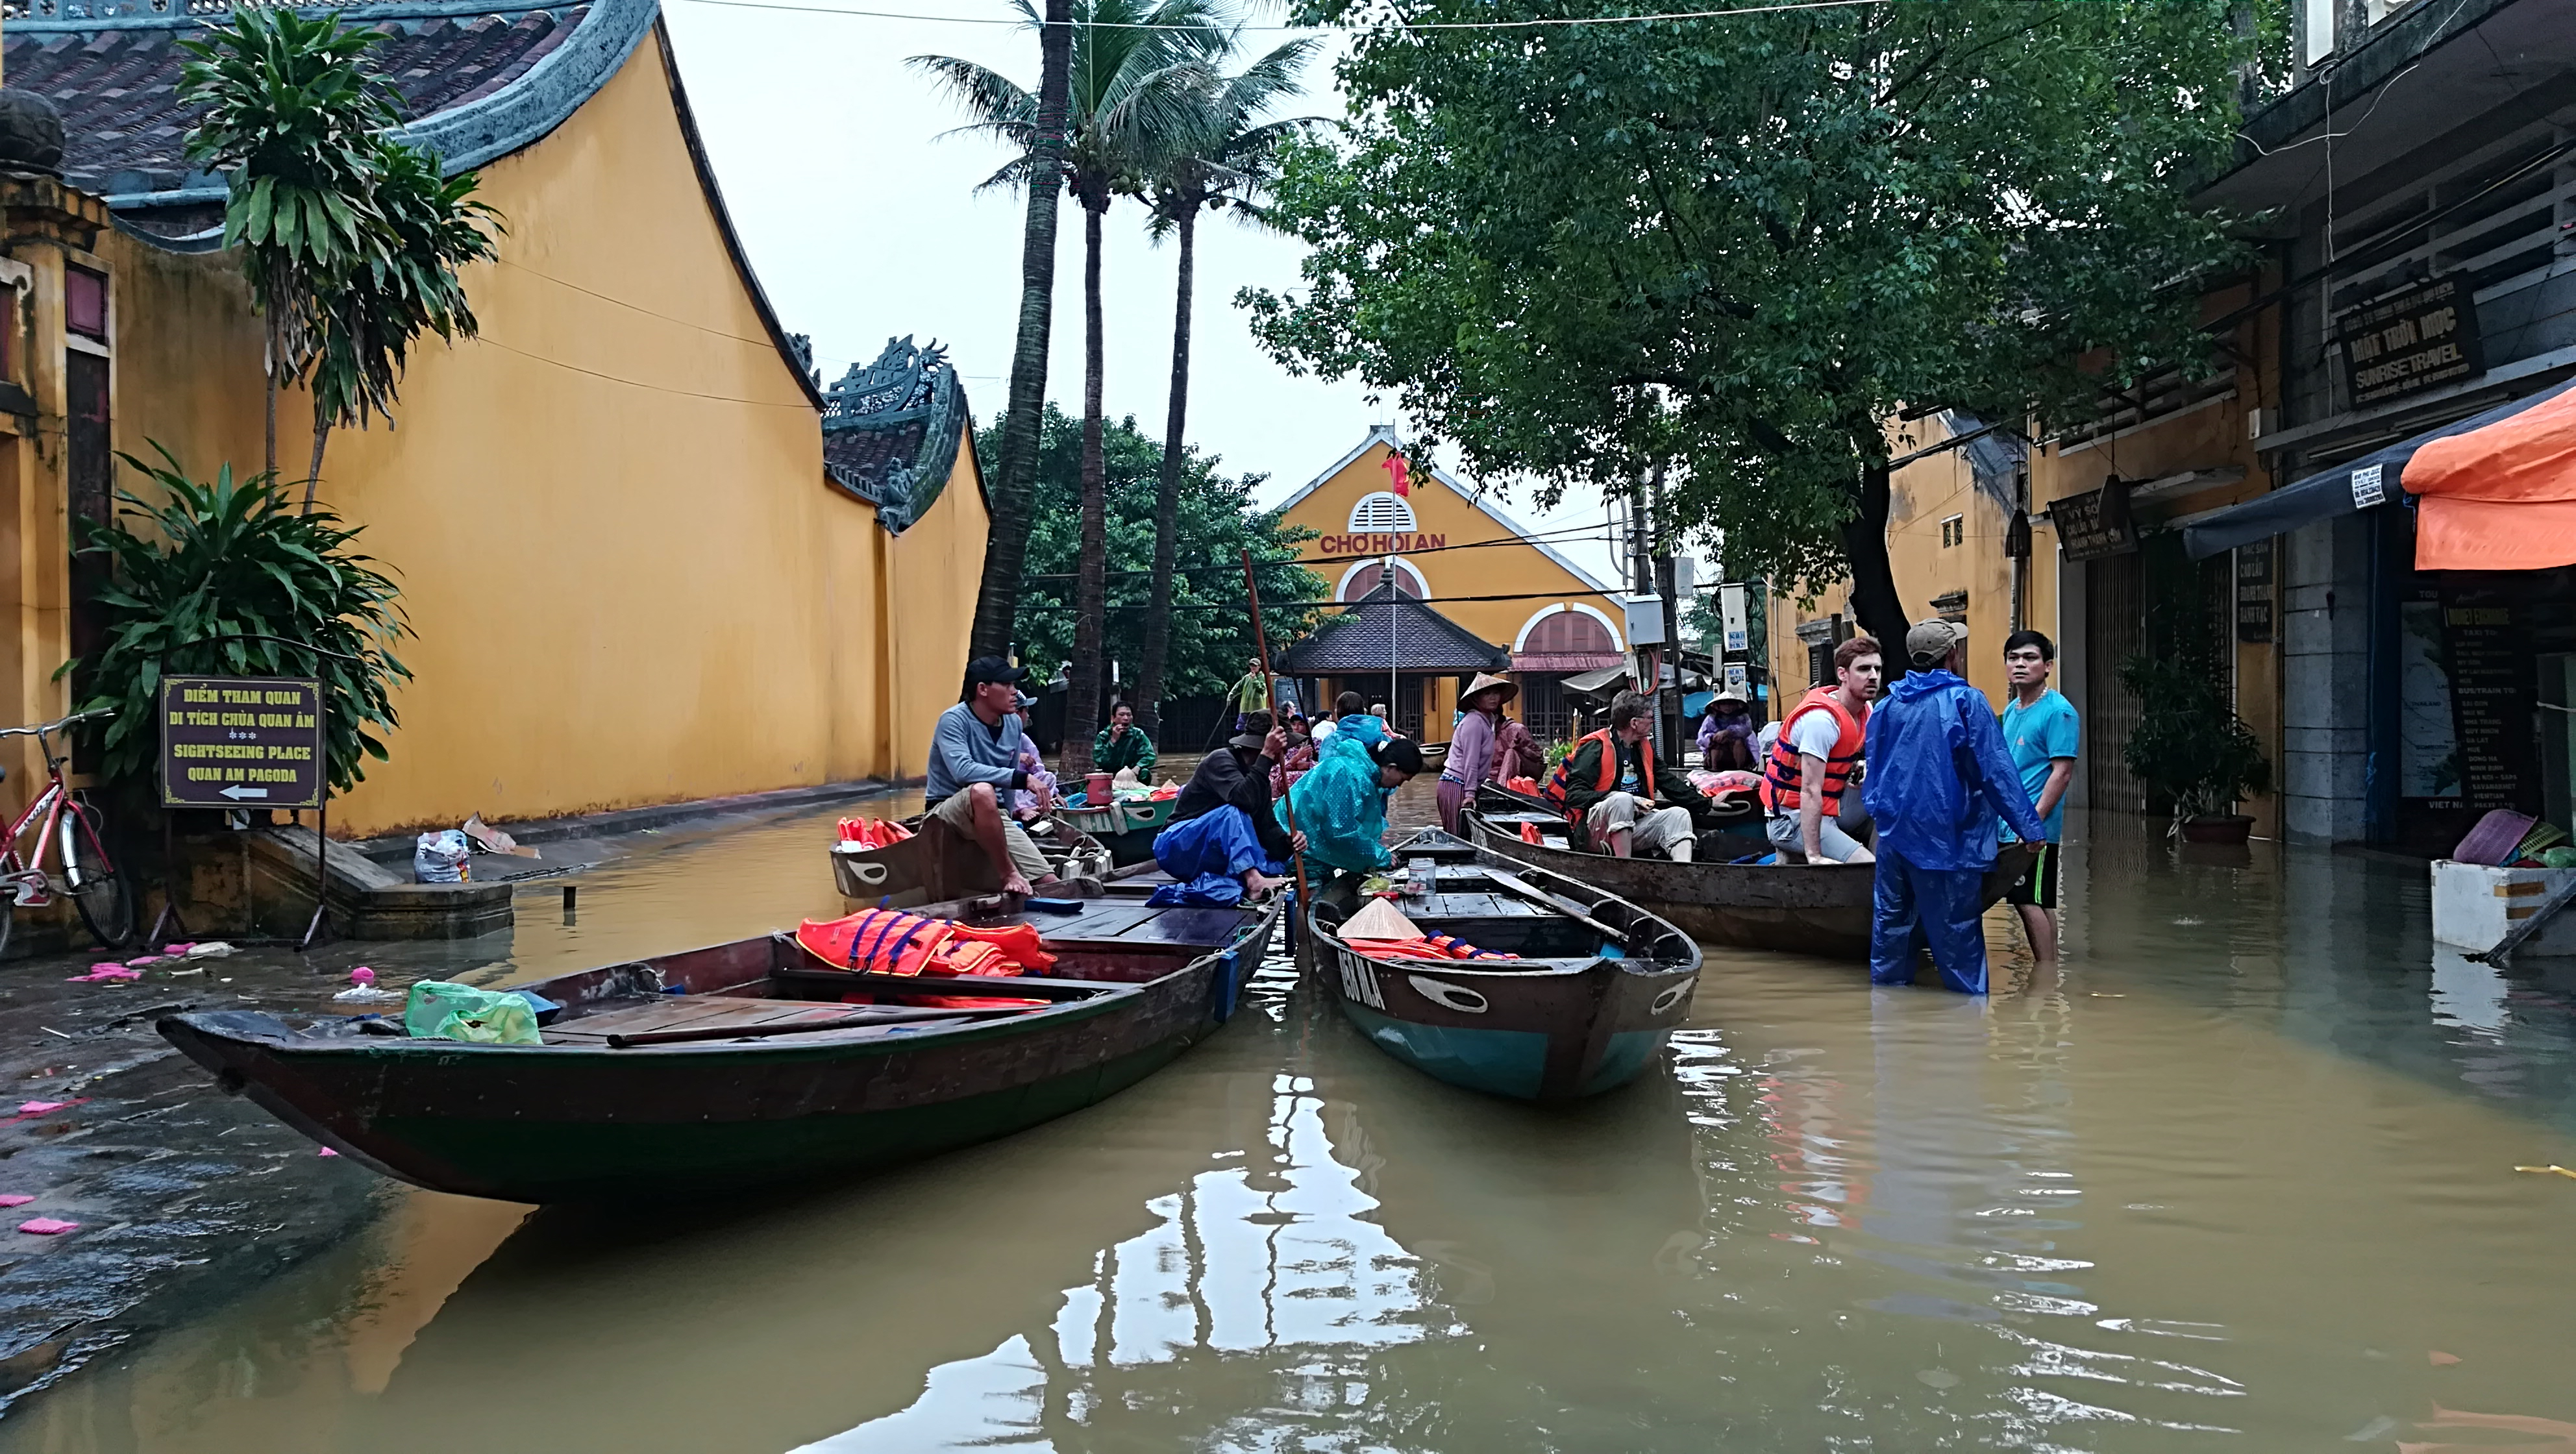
pixel 1379 544
pixel 241 742
pixel 2420 339
pixel 1730 606
pixel 2254 592
pixel 2491 681
pixel 2095 523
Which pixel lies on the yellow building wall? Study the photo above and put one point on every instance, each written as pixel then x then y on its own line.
pixel 1513 569
pixel 631 581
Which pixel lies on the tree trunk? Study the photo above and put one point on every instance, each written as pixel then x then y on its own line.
pixel 321 439
pixel 1007 539
pixel 268 364
pixel 1167 492
pixel 1874 602
pixel 1090 574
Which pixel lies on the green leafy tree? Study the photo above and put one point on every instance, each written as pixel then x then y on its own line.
pixel 1132 84
pixel 1227 157
pixel 1730 250
pixel 1214 523
pixel 351 239
pixel 220 578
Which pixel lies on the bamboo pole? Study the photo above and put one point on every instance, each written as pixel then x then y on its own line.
pixel 1270 694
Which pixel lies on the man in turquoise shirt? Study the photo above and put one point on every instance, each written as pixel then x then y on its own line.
pixel 2041 733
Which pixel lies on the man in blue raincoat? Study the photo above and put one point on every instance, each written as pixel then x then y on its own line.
pixel 1939 779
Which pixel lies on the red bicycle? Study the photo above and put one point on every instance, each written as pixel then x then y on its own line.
pixel 63 819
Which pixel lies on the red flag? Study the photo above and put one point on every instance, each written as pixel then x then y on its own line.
pixel 1400 472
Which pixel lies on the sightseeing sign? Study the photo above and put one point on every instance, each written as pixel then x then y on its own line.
pixel 241 742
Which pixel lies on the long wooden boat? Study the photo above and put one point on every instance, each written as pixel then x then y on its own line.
pixel 1600 985
pixel 744 1064
pixel 936 866
pixel 1819 909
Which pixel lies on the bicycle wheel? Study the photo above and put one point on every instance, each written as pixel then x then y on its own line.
pixel 104 898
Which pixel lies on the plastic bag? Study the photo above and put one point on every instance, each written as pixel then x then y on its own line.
pixel 439 858
pixel 2561 857
pixel 438 1010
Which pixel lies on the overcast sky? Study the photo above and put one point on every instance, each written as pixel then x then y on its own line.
pixel 864 224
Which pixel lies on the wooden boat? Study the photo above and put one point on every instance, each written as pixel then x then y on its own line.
pixel 1125 828
pixel 1736 833
pixel 1820 909
pixel 1600 986
pixel 936 866
pixel 741 1065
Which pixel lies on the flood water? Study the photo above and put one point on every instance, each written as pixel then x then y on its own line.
pixel 2240 1177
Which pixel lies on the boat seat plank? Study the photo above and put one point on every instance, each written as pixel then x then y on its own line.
pixel 688 1013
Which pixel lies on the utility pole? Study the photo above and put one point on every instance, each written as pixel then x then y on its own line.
pixel 1665 588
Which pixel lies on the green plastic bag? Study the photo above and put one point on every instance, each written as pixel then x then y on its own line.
pixel 438 1010
pixel 2563 857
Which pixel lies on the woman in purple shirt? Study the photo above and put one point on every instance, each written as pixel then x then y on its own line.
pixel 1471 748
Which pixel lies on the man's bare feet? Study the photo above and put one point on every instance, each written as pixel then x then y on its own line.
pixel 1015 883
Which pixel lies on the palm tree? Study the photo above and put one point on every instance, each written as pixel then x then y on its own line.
pixel 1132 83
pixel 1225 157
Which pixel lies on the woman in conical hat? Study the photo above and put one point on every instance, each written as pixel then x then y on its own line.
pixel 1471 750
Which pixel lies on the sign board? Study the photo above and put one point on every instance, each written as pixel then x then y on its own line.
pixel 2492 675
pixel 1736 680
pixel 2095 523
pixel 1730 609
pixel 2420 339
pixel 2254 592
pixel 241 742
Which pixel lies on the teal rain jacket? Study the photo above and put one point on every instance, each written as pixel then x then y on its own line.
pixel 1939 776
pixel 1341 809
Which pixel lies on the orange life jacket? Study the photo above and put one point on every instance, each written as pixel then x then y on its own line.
pixel 888 941
pixel 1554 792
pixel 1783 774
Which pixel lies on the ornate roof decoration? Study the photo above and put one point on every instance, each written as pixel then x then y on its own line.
pixel 479 79
pixel 891 429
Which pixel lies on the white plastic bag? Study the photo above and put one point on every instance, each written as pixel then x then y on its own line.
pixel 439 858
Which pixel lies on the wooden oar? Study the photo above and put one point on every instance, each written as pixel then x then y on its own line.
pixel 1572 910
pixel 807 1027
pixel 1270 689
pixel 2502 955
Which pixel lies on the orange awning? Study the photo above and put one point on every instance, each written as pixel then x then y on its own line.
pixel 2502 497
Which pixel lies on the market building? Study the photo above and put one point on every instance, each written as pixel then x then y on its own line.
pixel 1477 585
pixel 635 573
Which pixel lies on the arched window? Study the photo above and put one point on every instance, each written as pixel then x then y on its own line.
pixel 1362 579
pixel 1381 512
pixel 1569 633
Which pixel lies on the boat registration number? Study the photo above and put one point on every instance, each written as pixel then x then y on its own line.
pixel 1359 981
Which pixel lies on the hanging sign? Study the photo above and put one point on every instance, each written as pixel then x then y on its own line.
pixel 241 742
pixel 2095 523
pixel 2254 592
pixel 2490 660
pixel 1730 607
pixel 2420 339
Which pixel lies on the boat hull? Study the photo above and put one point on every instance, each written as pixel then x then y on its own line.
pixel 1535 1035
pixel 578 1124
pixel 1817 909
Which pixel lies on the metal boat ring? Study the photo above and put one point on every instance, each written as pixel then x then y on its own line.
pixel 1455 996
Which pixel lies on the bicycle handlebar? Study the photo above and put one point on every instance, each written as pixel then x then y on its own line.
pixel 57 726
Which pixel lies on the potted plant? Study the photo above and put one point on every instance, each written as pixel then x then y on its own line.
pixel 2190 748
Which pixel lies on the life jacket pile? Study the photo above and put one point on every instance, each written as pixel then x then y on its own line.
pixel 1525 786
pixel 873 832
pixel 1557 782
pixel 1429 946
pixel 1782 774
pixel 1530 833
pixel 889 941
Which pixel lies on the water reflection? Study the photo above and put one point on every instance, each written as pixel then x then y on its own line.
pixel 2238 1177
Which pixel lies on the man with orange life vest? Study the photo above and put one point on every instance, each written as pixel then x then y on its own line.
pixel 1810 764
pixel 1611 786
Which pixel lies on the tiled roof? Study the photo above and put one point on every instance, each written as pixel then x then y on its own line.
pixel 891 429
pixel 1381 625
pixel 123 123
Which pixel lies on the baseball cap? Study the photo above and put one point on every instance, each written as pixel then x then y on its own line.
pixel 993 669
pixel 1929 643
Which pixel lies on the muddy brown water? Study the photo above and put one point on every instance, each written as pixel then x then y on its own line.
pixel 2239 1177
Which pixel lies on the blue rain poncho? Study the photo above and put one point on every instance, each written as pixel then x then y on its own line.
pixel 1939 779
pixel 1209 855
pixel 1341 808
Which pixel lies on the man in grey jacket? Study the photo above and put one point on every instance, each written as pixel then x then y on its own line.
pixel 974 760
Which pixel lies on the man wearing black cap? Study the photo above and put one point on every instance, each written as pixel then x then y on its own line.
pixel 974 760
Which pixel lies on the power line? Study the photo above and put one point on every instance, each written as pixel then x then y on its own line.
pixel 1429 25
pixel 1566 535
pixel 639 383
pixel 1417 600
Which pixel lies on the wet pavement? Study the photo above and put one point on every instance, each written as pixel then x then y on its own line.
pixel 2239 1175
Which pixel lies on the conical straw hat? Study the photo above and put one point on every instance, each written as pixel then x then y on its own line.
pixel 1380 920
